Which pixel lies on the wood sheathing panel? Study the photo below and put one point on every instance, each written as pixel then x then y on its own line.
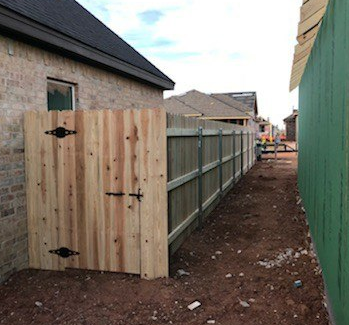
pixel 311 14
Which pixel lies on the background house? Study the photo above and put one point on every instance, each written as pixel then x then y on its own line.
pixel 248 99
pixel 242 106
pixel 54 55
pixel 265 128
pixel 323 177
pixel 291 124
pixel 208 107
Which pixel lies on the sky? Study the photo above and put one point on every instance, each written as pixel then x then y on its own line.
pixel 214 46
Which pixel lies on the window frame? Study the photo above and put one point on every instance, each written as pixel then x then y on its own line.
pixel 63 83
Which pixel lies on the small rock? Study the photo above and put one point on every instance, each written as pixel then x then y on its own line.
pixel 218 253
pixel 239 251
pixel 194 305
pixel 38 304
pixel 244 304
pixel 251 300
pixel 181 272
pixel 211 321
pixel 241 274
pixel 213 257
pixel 229 275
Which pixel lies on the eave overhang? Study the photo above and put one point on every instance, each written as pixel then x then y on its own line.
pixel 27 30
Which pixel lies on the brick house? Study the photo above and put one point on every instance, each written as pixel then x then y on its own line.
pixel 55 55
pixel 291 126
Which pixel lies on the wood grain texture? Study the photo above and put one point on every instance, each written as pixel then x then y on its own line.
pixel 154 224
pixel 312 13
pixel 67 181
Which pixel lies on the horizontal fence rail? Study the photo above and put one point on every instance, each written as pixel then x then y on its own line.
pixel 203 164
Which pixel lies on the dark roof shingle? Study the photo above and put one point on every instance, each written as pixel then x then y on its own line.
pixel 291 117
pixel 175 106
pixel 207 105
pixel 71 19
pixel 231 102
pixel 249 99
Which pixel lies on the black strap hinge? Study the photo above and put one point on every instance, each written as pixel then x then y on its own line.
pixel 60 132
pixel 63 252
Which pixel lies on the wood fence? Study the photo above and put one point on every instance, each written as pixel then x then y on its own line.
pixel 96 185
pixel 205 160
pixel 96 191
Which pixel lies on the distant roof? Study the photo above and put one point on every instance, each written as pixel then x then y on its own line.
pixel 262 121
pixel 292 116
pixel 249 99
pixel 207 105
pixel 175 106
pixel 67 26
pixel 231 102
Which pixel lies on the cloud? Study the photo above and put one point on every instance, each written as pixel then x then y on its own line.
pixel 150 16
pixel 100 9
pixel 177 55
pixel 163 42
pixel 220 46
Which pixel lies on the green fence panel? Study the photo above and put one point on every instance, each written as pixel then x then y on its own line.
pixel 324 152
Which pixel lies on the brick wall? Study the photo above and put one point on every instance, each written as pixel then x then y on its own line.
pixel 23 81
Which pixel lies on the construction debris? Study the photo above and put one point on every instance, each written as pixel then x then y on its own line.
pixel 298 284
pixel 194 305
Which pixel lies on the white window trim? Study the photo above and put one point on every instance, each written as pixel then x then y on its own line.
pixel 72 86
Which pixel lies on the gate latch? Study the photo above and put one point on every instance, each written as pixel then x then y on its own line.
pixel 115 194
pixel 138 195
pixel 60 132
pixel 63 252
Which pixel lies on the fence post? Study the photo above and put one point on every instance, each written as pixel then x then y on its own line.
pixel 220 154
pixel 234 157
pixel 255 147
pixel 242 154
pixel 248 151
pixel 200 174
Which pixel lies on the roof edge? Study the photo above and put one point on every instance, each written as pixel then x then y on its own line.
pixel 18 25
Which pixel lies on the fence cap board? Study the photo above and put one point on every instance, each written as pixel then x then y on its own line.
pixel 177 132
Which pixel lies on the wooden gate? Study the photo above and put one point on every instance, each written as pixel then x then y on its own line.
pixel 96 190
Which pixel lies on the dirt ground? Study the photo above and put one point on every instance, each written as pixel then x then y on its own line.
pixel 242 267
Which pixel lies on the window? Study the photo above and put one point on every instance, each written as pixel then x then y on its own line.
pixel 60 96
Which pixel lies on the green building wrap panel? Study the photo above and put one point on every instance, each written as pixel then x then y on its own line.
pixel 324 152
